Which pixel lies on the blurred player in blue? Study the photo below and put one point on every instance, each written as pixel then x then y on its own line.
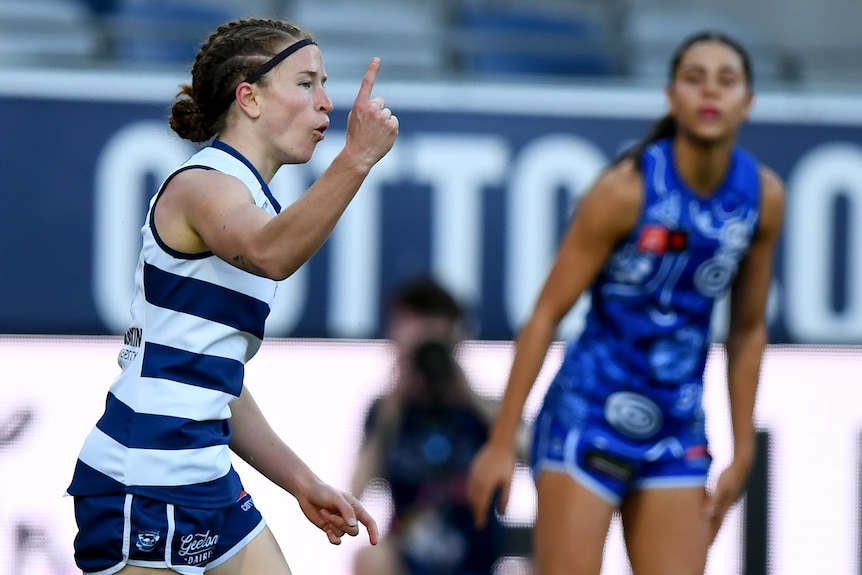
pixel 676 222
pixel 154 486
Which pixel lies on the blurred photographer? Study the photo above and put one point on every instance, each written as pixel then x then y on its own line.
pixel 420 439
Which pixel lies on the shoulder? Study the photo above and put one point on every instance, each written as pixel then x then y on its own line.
pixel 202 185
pixel 618 194
pixel 772 199
pixel 772 188
pixel 771 182
pixel 625 173
pixel 620 183
pixel 203 177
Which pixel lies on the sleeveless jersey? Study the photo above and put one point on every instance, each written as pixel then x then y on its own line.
pixel 647 331
pixel 196 321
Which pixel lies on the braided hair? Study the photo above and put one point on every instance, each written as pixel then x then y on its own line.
pixel 230 54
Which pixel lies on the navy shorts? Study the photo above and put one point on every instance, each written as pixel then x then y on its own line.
pixel 623 445
pixel 119 530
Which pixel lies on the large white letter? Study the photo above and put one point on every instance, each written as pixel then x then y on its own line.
pixel 355 249
pixel 136 151
pixel 820 177
pixel 458 166
pixel 545 166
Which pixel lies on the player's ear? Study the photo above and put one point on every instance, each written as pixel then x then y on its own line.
pixel 246 99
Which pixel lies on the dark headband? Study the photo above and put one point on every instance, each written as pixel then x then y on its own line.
pixel 275 60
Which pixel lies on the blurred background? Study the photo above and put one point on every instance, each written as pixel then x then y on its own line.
pixel 508 111
pixel 795 43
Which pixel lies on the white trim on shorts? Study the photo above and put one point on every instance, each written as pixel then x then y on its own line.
pixel 671 482
pixel 583 479
pixel 127 530
pixel 570 467
pixel 238 547
pixel 170 516
pixel 166 564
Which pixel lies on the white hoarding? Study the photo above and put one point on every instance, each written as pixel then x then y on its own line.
pixel 315 394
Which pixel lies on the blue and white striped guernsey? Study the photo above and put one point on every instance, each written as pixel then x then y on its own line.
pixel 196 321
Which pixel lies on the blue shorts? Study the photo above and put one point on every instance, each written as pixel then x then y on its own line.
pixel 625 444
pixel 119 530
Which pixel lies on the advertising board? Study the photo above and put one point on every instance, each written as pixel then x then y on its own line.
pixel 804 518
pixel 476 191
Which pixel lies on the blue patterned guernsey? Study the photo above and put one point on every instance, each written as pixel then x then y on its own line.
pixel 196 321
pixel 648 329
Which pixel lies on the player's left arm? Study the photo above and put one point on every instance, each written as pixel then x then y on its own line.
pixel 746 341
pixel 747 336
pixel 333 511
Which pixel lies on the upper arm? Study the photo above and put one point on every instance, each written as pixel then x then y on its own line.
pixel 607 213
pixel 751 286
pixel 207 210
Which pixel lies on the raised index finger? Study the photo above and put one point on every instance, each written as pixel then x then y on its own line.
pixel 368 80
pixel 369 522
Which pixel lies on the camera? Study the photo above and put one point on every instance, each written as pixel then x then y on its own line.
pixel 434 363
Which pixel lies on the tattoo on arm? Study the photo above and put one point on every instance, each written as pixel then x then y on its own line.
pixel 247 266
pixel 240 262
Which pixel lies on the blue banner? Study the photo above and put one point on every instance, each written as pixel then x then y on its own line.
pixel 476 191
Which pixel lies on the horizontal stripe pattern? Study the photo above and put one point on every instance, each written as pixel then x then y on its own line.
pixel 213 494
pixel 219 492
pixel 197 320
pixel 183 331
pixel 213 270
pixel 154 467
pixel 206 300
pixel 149 431
pixel 208 371
pixel 202 465
pixel 159 396
pixel 89 481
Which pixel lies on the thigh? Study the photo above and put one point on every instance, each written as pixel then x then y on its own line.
pixel 261 555
pixel 571 526
pixel 666 531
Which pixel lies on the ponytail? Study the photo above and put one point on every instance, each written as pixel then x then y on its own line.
pixel 662 129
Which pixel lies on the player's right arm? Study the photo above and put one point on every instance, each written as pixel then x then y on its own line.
pixel 606 214
pixel 205 210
